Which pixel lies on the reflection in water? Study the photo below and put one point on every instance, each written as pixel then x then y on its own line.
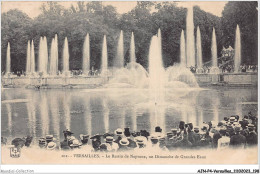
pixel 106 115
pixel 54 108
pixel 87 116
pixel 50 111
pixel 9 113
pixel 44 114
pixel 66 110
pixel 31 115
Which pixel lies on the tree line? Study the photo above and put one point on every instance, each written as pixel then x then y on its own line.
pixel 144 20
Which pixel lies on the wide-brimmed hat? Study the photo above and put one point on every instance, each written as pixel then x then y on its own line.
pixel 119 131
pixel 97 136
pixel 68 132
pixel 140 140
pixel 51 145
pixel 124 142
pixel 75 143
pixel 109 139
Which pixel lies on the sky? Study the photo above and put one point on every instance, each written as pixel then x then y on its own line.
pixel 32 9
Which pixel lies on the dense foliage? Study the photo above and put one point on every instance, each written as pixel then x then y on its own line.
pixel 144 20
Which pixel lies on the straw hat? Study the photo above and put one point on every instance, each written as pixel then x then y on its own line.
pixel 109 139
pixel 124 142
pixel 75 143
pixel 119 131
pixel 51 145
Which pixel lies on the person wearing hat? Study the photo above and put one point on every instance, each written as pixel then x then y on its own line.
pixel 119 134
pixel 42 142
pixel 251 139
pixel 184 142
pixel 51 146
pixel 84 138
pixel 96 142
pixel 67 133
pixel 244 122
pixel 223 142
pixel 75 144
pixel 28 141
pixel 110 141
pixel 191 134
pixel 132 143
pixel 197 136
pixel 123 144
pixel 238 140
pixel 141 142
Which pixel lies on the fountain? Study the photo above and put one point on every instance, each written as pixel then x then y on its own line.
pixel 8 60
pixel 53 62
pixel 86 56
pixel 104 58
pixel 66 58
pixel 237 58
pixel 132 49
pixel 32 58
pixel 43 56
pixel 190 47
pixel 214 69
pixel 119 61
pixel 56 51
pixel 199 52
pixel 28 59
pixel 156 70
pixel 183 50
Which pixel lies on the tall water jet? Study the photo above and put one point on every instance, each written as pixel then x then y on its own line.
pixel 159 35
pixel 56 51
pixel 190 38
pixel 237 58
pixel 28 58
pixel 156 70
pixel 32 58
pixel 8 60
pixel 45 52
pixel 199 51
pixel 119 61
pixel 86 56
pixel 183 50
pixel 214 49
pixel 214 69
pixel 43 56
pixel 132 49
pixel 104 57
pixel 53 62
pixel 66 57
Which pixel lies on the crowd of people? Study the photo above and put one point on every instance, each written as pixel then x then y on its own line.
pixel 228 68
pixel 233 131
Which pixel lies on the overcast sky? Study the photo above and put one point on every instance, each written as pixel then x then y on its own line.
pixel 32 9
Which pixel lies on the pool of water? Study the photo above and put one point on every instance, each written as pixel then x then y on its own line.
pixel 41 112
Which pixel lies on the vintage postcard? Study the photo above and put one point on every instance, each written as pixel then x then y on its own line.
pixel 138 82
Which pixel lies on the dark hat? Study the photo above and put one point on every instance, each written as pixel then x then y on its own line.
pixel 226 118
pixel 220 124
pixel 181 124
pixel 67 132
pixel 158 129
pixel 144 133
pixel 246 117
pixel 190 125
pixel 108 134
pixel 169 134
pixel 127 132
pixel 97 136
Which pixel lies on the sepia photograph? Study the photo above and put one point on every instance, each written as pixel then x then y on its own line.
pixel 138 82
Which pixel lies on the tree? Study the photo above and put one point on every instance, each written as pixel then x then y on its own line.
pixel 244 14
